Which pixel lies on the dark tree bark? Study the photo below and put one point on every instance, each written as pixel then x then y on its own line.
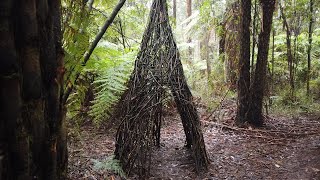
pixel 243 83
pixel 258 85
pixel 222 41
pixel 32 131
pixel 310 45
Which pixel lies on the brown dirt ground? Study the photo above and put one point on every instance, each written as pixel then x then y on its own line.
pixel 286 148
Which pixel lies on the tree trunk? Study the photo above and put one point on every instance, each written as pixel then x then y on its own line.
pixel 232 38
pixel 272 62
pixel 244 63
pixel 222 42
pixel 289 50
pixel 222 54
pixel 205 51
pixel 258 85
pixel 310 46
pixel 189 13
pixel 32 132
pixel 189 8
pixel 254 30
pixel 174 10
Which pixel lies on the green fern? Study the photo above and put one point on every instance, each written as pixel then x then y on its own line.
pixel 111 164
pixel 113 73
pixel 75 101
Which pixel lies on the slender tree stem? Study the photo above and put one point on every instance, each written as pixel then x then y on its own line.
pixel 94 45
pixel 310 46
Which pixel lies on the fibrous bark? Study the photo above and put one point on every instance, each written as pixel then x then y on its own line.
pixel 157 69
pixel 32 132
pixel 243 83
pixel 232 47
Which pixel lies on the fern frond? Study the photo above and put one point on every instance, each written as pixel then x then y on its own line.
pixel 111 164
pixel 109 85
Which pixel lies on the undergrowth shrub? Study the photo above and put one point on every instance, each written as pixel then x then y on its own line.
pixel 113 71
pixel 111 67
pixel 286 104
pixel 78 102
pixel 109 164
pixel 211 89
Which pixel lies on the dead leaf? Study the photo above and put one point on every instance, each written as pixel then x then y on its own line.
pixel 315 169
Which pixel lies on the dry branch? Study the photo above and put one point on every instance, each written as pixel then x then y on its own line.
pixel 273 133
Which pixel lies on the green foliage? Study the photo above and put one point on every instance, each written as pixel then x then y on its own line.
pixel 315 87
pixel 111 164
pixel 285 104
pixel 111 62
pixel 76 36
pixel 113 68
pixel 75 101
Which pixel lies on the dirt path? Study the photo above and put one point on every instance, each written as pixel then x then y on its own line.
pixel 284 149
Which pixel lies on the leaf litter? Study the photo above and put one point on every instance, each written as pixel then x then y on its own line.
pixel 285 148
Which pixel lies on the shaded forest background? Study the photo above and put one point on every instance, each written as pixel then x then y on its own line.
pixel 208 37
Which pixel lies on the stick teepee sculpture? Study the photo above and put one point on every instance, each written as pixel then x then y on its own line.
pixel 157 68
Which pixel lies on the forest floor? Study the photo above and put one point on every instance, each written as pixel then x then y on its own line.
pixel 285 148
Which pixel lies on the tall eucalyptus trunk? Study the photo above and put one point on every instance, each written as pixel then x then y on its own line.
pixel 32 129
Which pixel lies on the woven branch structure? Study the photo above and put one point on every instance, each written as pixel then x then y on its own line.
pixel 157 69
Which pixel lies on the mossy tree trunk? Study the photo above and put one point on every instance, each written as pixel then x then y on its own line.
pixel 32 131
pixel 232 47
